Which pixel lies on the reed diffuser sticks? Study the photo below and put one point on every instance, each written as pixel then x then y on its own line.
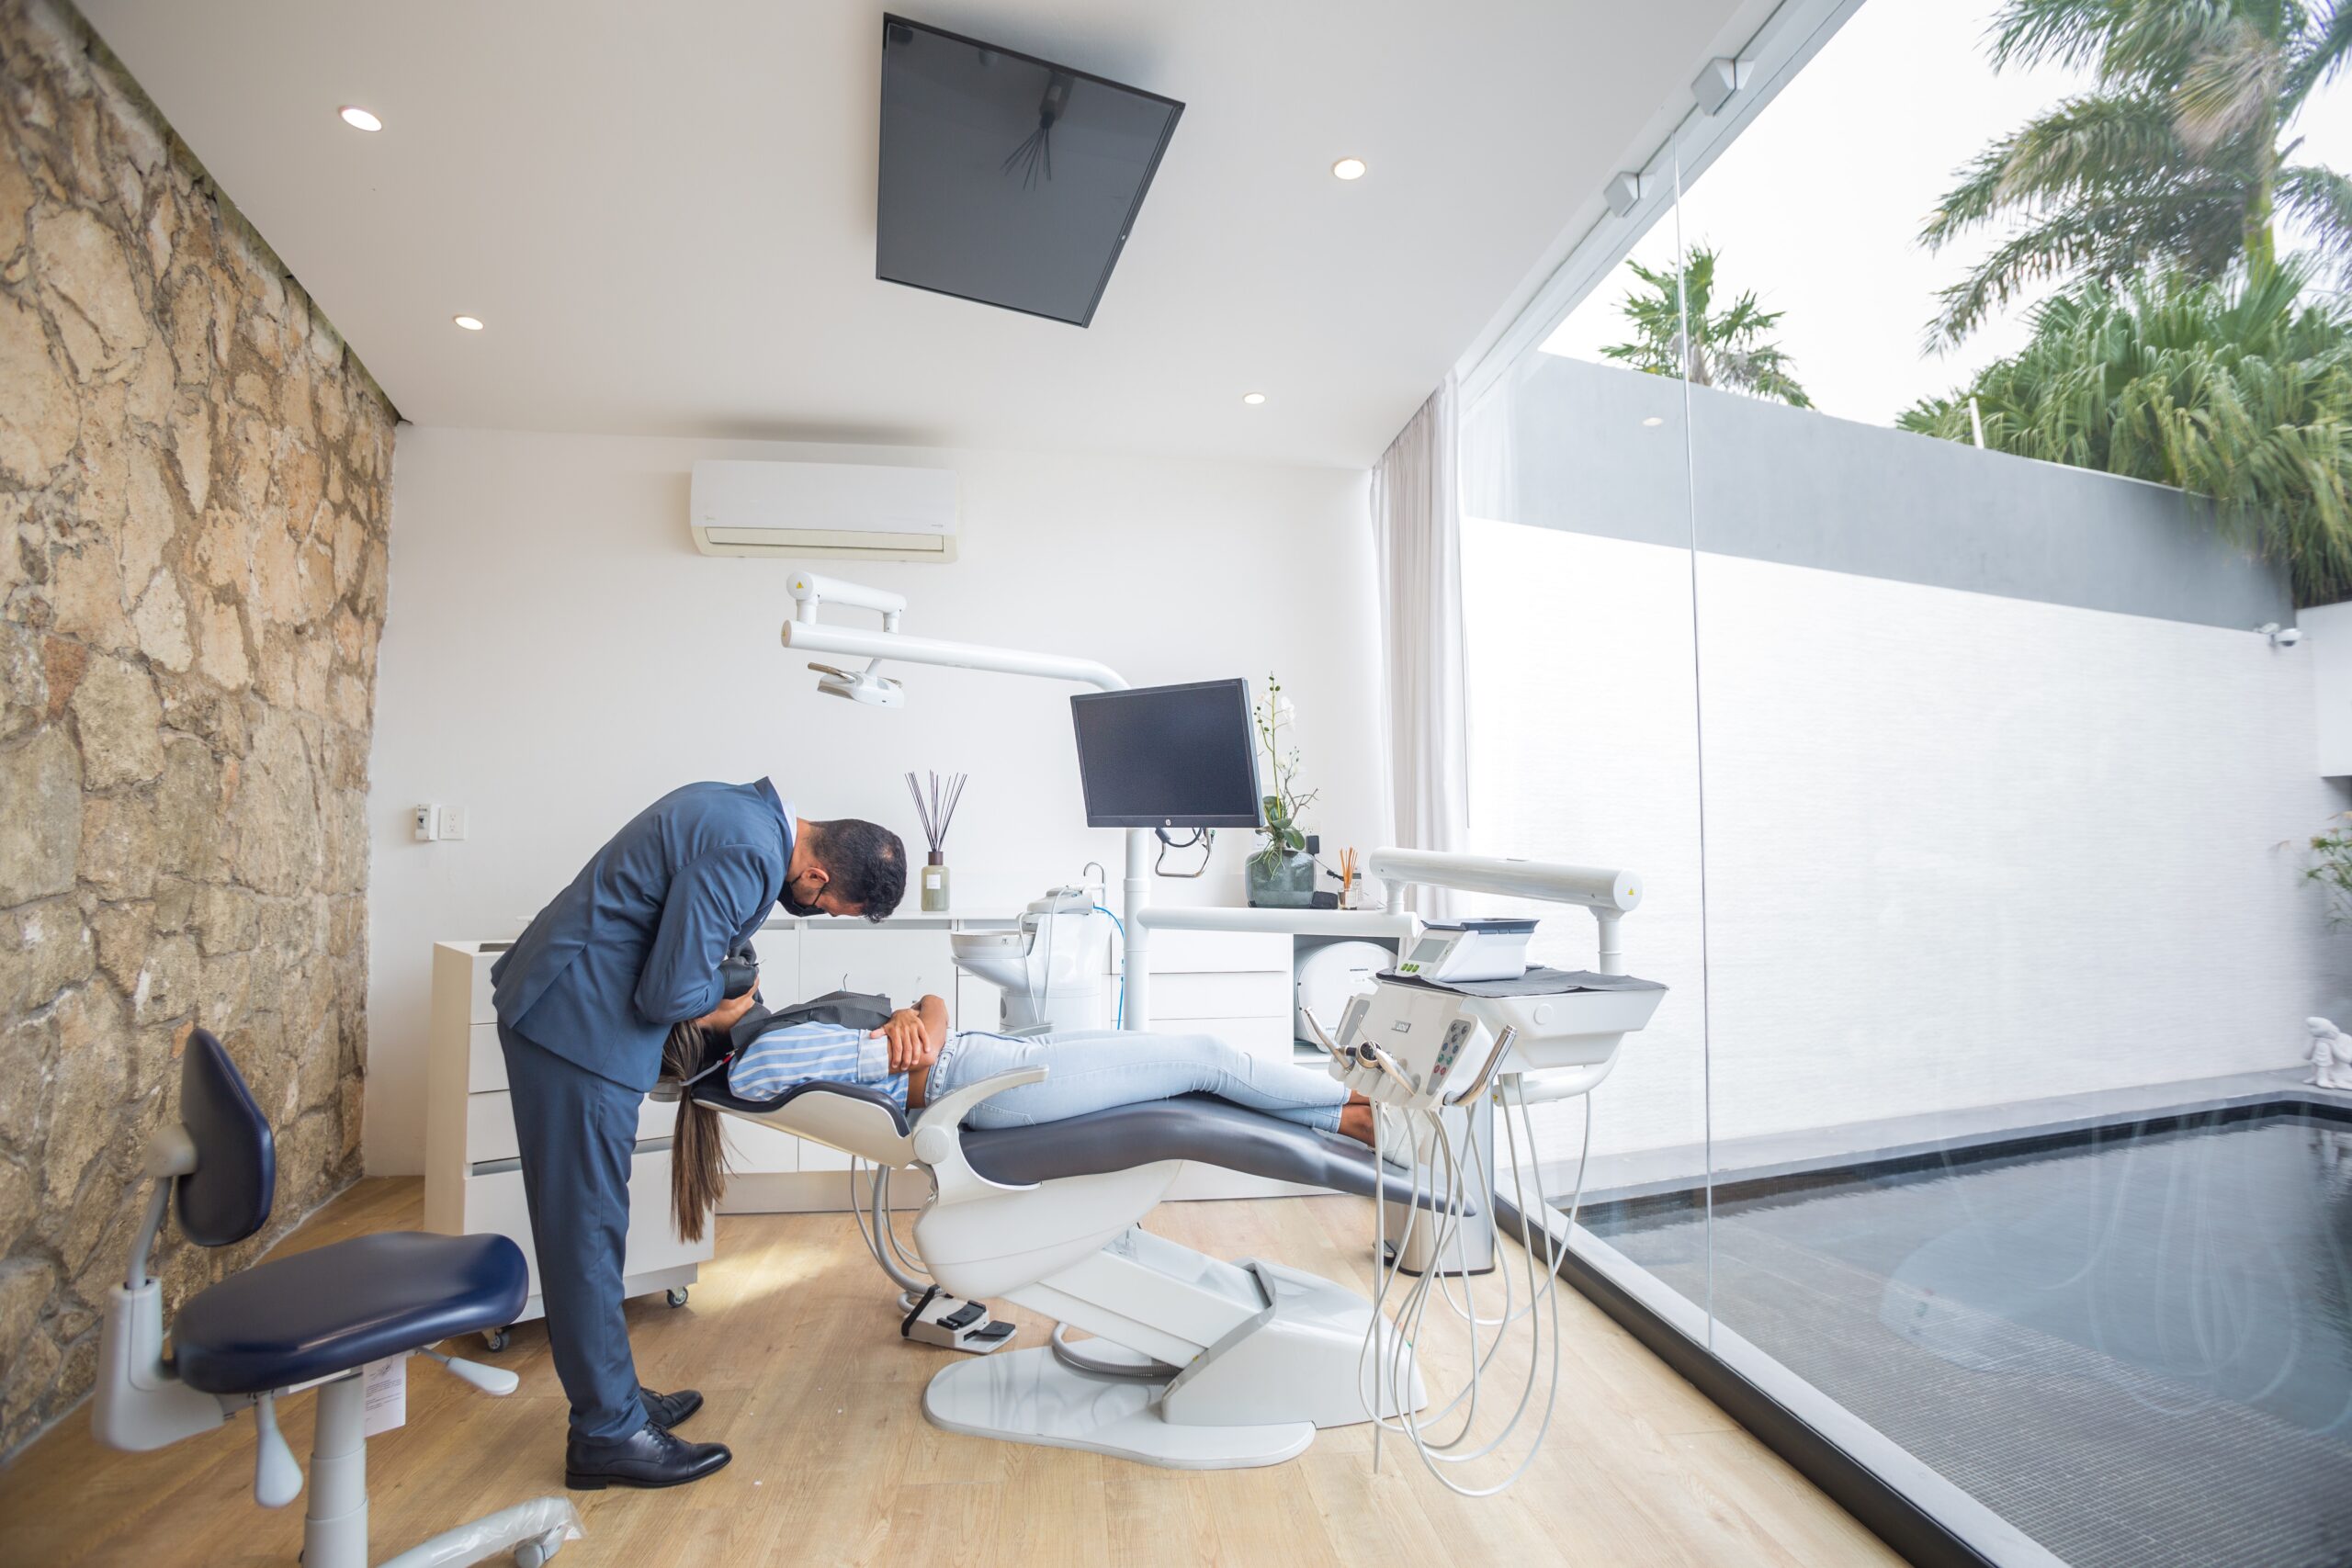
pixel 936 810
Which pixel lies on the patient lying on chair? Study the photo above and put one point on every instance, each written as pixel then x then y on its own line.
pixel 915 1059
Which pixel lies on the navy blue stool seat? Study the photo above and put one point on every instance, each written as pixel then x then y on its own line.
pixel 337 1307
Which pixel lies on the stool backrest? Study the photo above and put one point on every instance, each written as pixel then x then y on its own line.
pixel 227 1197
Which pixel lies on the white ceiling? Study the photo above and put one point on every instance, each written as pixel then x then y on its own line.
pixel 665 214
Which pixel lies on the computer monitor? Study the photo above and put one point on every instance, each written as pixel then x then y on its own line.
pixel 1168 755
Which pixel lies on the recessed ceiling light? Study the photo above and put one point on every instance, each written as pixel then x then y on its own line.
pixel 1348 168
pixel 359 119
pixel 1253 399
pixel 1653 421
pixel 471 323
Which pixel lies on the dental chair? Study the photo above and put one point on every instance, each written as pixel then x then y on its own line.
pixel 1195 1363
pixel 315 1319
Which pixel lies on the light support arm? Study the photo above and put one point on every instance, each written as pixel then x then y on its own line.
pixel 809 591
pixel 812 637
pixel 804 633
pixel 1609 894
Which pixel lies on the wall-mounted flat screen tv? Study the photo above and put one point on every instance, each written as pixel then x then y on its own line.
pixel 1005 178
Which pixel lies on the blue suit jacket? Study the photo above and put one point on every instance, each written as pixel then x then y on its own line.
pixel 633 945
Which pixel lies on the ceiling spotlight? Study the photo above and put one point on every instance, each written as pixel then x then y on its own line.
pixel 1253 399
pixel 471 323
pixel 1348 168
pixel 359 119
pixel 1653 421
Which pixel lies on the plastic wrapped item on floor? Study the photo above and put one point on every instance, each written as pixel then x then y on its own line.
pixel 535 1531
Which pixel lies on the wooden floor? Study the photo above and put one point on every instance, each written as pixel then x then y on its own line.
pixel 790 1337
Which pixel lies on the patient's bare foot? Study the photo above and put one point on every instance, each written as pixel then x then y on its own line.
pixel 1356 1120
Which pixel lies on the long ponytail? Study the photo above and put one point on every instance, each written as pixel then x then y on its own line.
pixel 697 1151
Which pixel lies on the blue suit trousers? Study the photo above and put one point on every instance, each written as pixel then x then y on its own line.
pixel 576 1131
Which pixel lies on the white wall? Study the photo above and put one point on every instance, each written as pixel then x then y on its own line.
pixel 556 655
pixel 1962 849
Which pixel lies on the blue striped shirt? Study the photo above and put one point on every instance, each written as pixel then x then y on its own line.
pixel 782 1057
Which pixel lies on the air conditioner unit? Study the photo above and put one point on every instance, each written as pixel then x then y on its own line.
pixel 845 510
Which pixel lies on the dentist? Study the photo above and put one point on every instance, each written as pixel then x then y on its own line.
pixel 585 999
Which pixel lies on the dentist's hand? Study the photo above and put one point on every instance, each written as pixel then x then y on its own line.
pixel 726 1014
pixel 912 1044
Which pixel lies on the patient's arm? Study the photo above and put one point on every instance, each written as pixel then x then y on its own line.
pixel 916 1033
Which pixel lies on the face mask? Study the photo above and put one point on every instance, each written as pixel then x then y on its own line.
pixel 796 906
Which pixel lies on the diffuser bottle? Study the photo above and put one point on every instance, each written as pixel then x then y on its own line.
pixel 934 883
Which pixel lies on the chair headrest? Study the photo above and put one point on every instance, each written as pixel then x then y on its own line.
pixel 227 1197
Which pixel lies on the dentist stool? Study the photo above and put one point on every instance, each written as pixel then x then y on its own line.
pixel 313 1320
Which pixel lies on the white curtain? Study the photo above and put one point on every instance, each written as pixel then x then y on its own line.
pixel 1416 537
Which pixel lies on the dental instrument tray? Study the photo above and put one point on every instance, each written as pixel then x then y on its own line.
pixel 1538 981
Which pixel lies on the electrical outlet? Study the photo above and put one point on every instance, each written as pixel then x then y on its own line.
pixel 453 822
pixel 427 823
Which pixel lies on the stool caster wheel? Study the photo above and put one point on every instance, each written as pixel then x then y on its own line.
pixel 678 1296
pixel 495 1339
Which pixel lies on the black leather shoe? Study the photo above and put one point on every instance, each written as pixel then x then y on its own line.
pixel 670 1411
pixel 649 1457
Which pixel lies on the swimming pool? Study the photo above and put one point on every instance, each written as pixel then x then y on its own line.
pixel 2133 1342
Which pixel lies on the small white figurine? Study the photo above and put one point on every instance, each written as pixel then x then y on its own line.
pixel 2331 1054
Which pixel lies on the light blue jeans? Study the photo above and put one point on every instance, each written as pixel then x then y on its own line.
pixel 1093 1070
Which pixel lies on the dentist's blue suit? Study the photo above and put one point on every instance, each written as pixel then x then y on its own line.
pixel 585 998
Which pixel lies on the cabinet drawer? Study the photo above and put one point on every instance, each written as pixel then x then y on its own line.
pixel 486 1059
pixel 482 1010
pixel 1179 951
pixel 1259 994
pixel 1269 1038
pixel 495 1203
pixel 489 1125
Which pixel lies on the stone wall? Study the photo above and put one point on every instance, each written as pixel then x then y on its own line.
pixel 195 476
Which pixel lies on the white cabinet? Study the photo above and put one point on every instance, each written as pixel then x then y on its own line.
pixel 905 960
pixel 473 1184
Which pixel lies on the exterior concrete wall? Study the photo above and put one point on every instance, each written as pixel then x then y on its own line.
pixel 1565 445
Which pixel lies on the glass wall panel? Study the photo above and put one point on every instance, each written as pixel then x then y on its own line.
pixel 1975 797
pixel 1583 682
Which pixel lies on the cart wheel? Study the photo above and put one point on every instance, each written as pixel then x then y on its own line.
pixel 677 1297
pixel 495 1339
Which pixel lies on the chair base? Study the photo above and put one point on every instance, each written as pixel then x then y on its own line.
pixel 1030 1396
pixel 334 1523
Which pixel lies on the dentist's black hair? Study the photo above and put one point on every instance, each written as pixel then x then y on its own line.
pixel 865 862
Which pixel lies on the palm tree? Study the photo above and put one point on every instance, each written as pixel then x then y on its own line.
pixel 2238 391
pixel 1723 350
pixel 2174 163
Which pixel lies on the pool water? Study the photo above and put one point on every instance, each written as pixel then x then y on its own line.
pixel 2134 1344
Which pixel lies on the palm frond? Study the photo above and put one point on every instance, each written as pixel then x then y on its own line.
pixel 2230 89
pixel 2318 56
pixel 2065 32
pixel 2089 147
pixel 2104 240
pixel 2320 199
